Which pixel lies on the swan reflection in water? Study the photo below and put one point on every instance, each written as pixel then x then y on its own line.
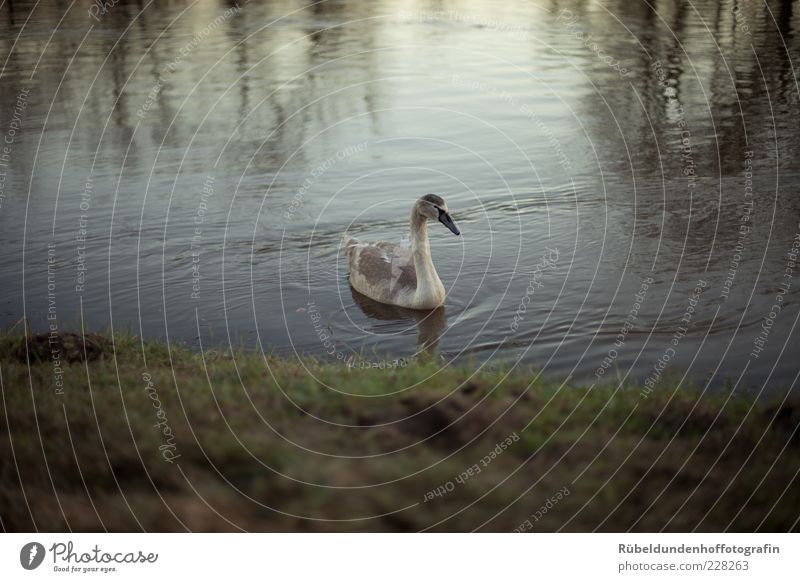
pixel 431 323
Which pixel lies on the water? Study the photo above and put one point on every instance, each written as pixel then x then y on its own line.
pixel 603 160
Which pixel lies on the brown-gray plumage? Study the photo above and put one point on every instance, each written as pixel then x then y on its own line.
pixel 393 274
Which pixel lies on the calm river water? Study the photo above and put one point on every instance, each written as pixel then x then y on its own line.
pixel 625 176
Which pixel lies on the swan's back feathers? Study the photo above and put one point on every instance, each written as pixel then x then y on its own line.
pixel 394 274
pixel 380 270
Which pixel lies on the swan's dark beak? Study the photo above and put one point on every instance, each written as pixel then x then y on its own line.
pixel 447 220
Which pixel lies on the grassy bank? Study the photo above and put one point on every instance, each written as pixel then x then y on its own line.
pixel 142 436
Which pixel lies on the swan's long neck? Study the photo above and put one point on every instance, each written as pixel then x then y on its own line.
pixel 429 286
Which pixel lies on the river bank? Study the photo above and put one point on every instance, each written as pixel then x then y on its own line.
pixel 146 436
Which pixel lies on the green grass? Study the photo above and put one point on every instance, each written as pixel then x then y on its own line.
pixel 269 444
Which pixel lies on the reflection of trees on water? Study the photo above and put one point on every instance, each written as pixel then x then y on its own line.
pixel 269 78
pixel 289 62
pixel 729 79
pixel 730 83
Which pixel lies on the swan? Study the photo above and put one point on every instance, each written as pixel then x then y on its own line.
pixel 393 274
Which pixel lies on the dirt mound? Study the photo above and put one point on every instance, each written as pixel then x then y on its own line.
pixel 65 346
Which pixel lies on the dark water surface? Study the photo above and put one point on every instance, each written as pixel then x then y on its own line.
pixel 625 176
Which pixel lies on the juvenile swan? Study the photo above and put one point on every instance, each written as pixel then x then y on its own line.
pixel 392 274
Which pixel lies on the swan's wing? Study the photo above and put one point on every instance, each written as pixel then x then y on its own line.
pixel 380 269
pixel 404 275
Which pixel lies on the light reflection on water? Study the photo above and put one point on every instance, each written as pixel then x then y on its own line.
pixel 309 121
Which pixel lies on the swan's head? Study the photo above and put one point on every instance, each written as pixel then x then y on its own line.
pixel 433 207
